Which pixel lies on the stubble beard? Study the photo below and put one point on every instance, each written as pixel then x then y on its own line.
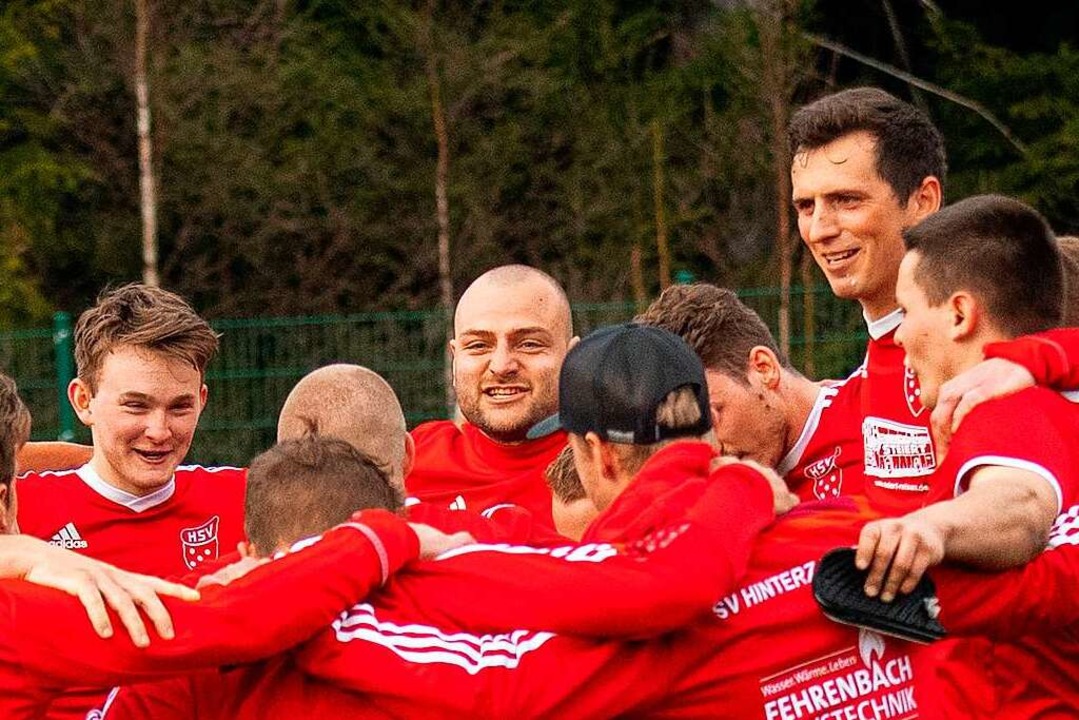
pixel 506 427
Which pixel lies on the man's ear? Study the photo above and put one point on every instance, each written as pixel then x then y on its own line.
pixel 247 549
pixel 965 316
pixel 79 395
pixel 764 365
pixel 606 458
pixel 453 362
pixel 6 517
pixel 925 200
pixel 204 395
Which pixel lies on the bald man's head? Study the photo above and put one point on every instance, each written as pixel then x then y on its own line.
pixel 512 328
pixel 356 405
pixel 507 281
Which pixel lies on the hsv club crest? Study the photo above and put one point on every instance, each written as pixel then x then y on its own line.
pixel 826 476
pixel 912 391
pixel 200 543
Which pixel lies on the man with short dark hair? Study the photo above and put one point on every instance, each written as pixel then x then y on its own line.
pixel 866 166
pixel 512 327
pixel 298 488
pixel 762 408
pixel 985 270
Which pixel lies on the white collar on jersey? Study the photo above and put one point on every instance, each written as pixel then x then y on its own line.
pixel 794 456
pixel 135 503
pixel 882 326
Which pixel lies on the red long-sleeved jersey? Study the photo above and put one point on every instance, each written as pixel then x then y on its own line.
pixel 766 652
pixel 656 559
pixel 49 645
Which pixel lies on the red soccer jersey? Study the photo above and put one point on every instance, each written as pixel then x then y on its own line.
pixel 1032 677
pixel 191 520
pixel 898 452
pixel 826 461
pixel 47 644
pixel 765 652
pixel 463 468
pixel 638 573
pixel 170 532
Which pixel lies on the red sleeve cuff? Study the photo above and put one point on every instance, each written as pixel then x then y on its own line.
pixel 394 541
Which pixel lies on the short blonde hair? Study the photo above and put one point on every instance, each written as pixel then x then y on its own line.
pixel 680 409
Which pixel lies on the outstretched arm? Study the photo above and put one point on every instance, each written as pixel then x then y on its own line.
pixel 641 589
pixel 96 584
pixel 274 607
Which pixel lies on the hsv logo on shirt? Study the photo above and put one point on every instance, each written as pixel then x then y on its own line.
pixel 827 476
pixel 200 543
pixel 913 392
pixel 1065 530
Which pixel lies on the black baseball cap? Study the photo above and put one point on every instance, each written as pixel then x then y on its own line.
pixel 615 378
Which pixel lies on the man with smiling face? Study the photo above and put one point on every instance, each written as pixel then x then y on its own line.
pixel 512 328
pixel 141 354
pixel 865 167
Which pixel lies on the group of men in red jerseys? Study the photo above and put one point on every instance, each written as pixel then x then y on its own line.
pixel 682 598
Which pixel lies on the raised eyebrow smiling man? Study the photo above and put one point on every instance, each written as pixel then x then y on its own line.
pixel 865 167
pixel 141 354
pixel 512 329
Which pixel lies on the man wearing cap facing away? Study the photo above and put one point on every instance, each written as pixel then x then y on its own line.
pixel 759 648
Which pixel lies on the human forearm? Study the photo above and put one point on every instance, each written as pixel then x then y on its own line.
pixel 274 607
pixel 995 527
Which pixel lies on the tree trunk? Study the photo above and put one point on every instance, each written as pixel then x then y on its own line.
pixel 663 250
pixel 147 190
pixel 774 87
pixel 636 275
pixel 809 316
pixel 442 202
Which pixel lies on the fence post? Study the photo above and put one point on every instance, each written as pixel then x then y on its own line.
pixel 65 372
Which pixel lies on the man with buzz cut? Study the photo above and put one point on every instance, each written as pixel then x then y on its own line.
pixel 140 354
pixel 511 329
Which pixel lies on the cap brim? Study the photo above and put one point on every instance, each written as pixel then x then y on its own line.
pixel 543 428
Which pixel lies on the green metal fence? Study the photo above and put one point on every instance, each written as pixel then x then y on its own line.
pixel 261 359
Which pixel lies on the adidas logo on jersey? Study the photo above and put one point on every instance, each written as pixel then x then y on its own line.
pixel 68 537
